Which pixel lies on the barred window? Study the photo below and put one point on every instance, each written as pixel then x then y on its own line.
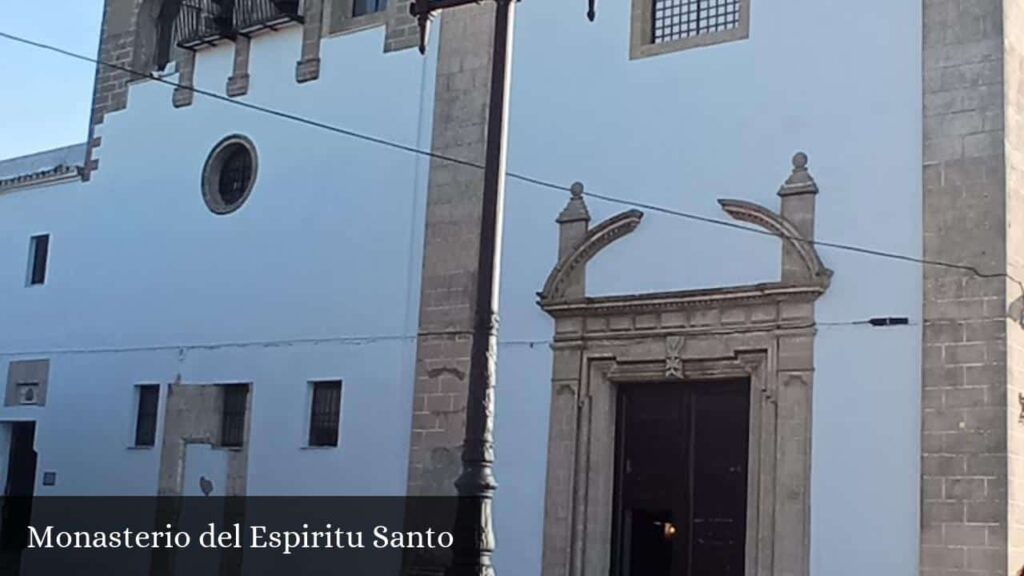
pixel 676 19
pixel 325 413
pixel 662 26
pixel 364 7
pixel 232 431
pixel 145 422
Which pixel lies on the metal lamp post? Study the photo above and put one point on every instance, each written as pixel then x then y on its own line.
pixel 474 533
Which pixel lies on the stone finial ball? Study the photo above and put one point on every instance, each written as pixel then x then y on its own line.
pixel 800 160
pixel 576 189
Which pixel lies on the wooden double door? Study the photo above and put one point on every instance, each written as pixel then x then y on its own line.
pixel 681 479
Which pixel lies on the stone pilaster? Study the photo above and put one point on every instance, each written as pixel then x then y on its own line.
pixel 965 398
pixel 797 195
pixel 573 223
pixel 450 249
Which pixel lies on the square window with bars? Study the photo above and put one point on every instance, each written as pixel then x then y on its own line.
pixel 145 420
pixel 232 431
pixel 679 19
pixel 325 413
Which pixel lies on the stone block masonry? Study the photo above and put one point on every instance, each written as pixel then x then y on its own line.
pixel 450 250
pixel 970 375
pixel 117 47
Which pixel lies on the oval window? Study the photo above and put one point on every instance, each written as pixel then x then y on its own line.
pixel 229 174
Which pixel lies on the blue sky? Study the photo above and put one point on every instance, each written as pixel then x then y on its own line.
pixel 45 97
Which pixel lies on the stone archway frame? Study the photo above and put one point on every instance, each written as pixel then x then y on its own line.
pixel 763 333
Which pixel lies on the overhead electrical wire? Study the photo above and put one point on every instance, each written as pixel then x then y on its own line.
pixel 365 340
pixel 512 175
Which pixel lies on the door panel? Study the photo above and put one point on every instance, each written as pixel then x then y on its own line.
pixel 681 479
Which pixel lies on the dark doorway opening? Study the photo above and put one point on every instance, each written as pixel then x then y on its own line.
pixel 18 491
pixel 681 479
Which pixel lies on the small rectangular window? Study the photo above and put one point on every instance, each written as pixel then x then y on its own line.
pixel 663 26
pixel 364 7
pixel 39 251
pixel 145 423
pixel 325 413
pixel 232 431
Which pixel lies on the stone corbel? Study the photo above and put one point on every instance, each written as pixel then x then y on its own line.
pixel 308 67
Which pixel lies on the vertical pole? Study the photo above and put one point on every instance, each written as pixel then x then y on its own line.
pixel 474 534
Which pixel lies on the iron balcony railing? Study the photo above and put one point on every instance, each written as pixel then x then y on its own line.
pixel 207 21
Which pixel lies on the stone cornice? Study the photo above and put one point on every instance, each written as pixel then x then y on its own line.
pixel 52 176
pixel 769 293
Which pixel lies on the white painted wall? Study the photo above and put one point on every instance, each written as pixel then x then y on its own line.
pixel 327 247
pixel 683 130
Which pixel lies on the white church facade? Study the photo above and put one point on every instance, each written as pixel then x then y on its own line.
pixel 237 286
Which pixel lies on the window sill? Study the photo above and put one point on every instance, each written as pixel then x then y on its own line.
pixel 315 448
pixel 139 448
pixel 656 49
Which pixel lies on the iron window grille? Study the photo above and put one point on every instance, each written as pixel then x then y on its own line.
pixel 679 19
pixel 40 252
pixel 325 414
pixel 206 21
pixel 145 424
pixel 232 431
pixel 235 175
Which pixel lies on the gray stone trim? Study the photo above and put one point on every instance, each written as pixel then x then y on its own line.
pixel 238 82
pixel 20 372
pixel 970 437
pixel 308 67
pixel 641 43
pixel 800 260
pixel 565 275
pixel 450 249
pixel 192 415
pixel 763 333
pixel 183 94
pixel 110 88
